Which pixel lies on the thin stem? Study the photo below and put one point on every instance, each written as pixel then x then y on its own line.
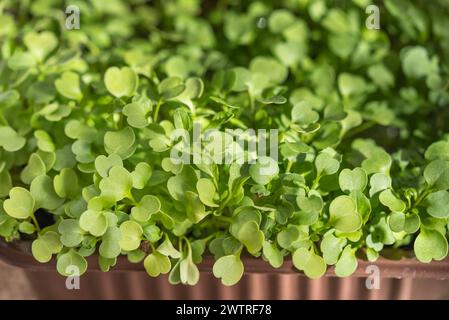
pixel 289 166
pixel 421 197
pixel 36 224
pixel 315 182
pixel 224 219
pixel 156 111
pixel 364 126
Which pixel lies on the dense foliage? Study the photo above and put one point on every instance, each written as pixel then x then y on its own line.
pixel 86 117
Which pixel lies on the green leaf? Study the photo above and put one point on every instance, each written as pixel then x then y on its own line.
pixel 106 263
pixel 351 180
pixel 20 204
pixel 280 20
pixel 194 208
pixel 118 185
pixel 416 62
pixel 27 227
pixel 45 246
pixel 141 175
pixel 94 222
pixel 399 221
pixel 156 264
pixel 131 235
pixel 229 269
pixel 40 44
pixel 379 182
pixel 436 174
pixel 120 142
pixel 36 167
pixel 66 184
pixel 273 254
pixel 311 204
pixel 438 151
pixel 171 87
pixel 312 264
pixel 430 245
pixel 10 140
pixel 264 170
pixel 121 82
pixel 325 164
pixel 71 264
pixel 347 264
pixel 388 199
pixel 206 192
pixel 185 181
pixel 303 114
pixel 276 72
pixel 110 246
pixel 343 214
pixel 438 204
pixel 68 85
pixel 137 113
pixel 6 184
pixel 71 233
pixel 166 248
pixel 103 164
pixel 44 194
pixel 147 206
pixel 251 237
pixel 189 273
pixel 332 246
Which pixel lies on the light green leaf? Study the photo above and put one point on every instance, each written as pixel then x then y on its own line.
pixel 436 174
pixel 131 235
pixel 71 233
pixel 20 204
pixel 343 214
pixel 312 264
pixel 347 264
pixel 45 246
pixel 438 204
pixel 36 167
pixel 141 175
pixel 229 269
pixel 40 44
pixel 351 180
pixel 44 194
pixel 430 245
pixel 68 85
pixel 94 222
pixel 71 264
pixel 206 192
pixel 272 253
pixel 103 164
pixel 156 264
pixel 121 82
pixel 147 206
pixel 120 142
pixel 388 199
pixel 10 140
pixel 118 185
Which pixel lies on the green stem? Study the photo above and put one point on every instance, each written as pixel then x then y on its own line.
pixel 315 182
pixel 156 111
pixel 421 197
pixel 289 166
pixel 36 224
pixel 3 119
pixel 357 130
pixel 224 219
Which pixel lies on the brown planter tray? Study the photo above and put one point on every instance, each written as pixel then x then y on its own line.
pixel 399 279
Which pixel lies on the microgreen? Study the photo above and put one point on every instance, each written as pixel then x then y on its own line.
pixel 90 119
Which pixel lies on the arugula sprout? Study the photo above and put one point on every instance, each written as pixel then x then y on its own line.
pixel 88 119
